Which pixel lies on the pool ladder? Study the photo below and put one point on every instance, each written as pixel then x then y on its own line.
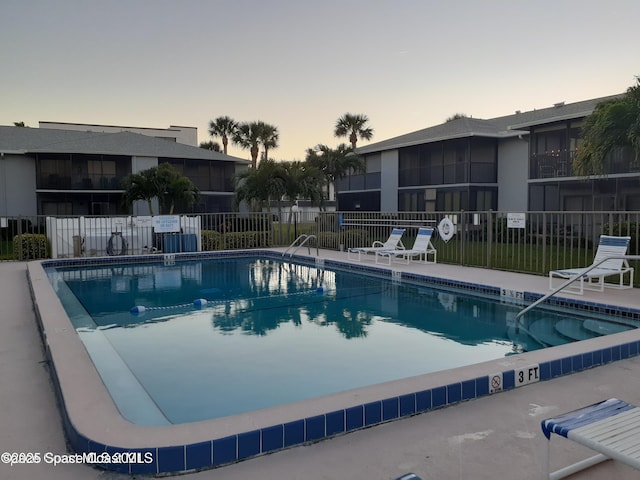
pixel 303 239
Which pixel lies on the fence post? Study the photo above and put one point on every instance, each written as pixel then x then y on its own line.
pixel 20 249
pixel 463 230
pixel 544 243
pixel 489 237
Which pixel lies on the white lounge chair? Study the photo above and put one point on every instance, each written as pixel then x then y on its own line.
pixel 421 248
pixel 611 427
pixel 594 279
pixel 394 242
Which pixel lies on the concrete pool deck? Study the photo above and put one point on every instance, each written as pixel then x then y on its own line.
pixel 494 436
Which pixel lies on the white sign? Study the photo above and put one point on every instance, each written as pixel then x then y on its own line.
pixel 516 220
pixel 527 375
pixel 495 383
pixel 166 223
pixel 143 221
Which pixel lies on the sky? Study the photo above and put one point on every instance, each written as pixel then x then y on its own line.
pixel 302 64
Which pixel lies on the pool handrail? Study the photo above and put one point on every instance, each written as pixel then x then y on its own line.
pixel 304 239
pixel 573 279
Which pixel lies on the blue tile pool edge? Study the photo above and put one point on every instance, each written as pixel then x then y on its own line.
pixel 216 452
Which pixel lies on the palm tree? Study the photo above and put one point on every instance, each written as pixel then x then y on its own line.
pixel 334 164
pixel 141 186
pixel 613 124
pixel 162 182
pixel 353 126
pixel 257 186
pixel 223 127
pixel 175 188
pixel 456 116
pixel 247 136
pixel 213 146
pixel 268 136
pixel 301 181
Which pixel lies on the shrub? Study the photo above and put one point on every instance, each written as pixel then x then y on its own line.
pixel 30 246
pixel 211 240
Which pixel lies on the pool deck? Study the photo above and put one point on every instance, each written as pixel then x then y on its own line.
pixel 496 436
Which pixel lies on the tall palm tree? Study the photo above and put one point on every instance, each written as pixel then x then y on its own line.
pixel 353 126
pixel 268 136
pixel 247 136
pixel 334 163
pixel 223 127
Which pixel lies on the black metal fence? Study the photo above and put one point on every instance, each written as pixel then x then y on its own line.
pixel 531 242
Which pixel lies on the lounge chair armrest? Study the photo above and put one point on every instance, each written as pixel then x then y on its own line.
pixel 377 243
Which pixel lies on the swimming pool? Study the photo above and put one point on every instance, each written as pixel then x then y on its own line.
pixel 209 338
pixel 240 436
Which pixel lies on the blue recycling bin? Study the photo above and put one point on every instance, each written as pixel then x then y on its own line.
pixel 180 242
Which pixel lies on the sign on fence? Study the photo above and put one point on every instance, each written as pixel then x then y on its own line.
pixel 516 220
pixel 166 223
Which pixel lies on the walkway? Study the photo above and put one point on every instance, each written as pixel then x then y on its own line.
pixel 494 437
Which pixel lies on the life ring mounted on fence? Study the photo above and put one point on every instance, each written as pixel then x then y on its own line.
pixel 120 247
pixel 446 229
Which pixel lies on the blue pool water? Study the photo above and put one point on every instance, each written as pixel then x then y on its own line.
pixel 274 332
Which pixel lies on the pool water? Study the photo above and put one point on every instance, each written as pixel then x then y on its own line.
pixel 211 338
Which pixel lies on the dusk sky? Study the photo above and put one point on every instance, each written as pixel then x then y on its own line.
pixel 300 65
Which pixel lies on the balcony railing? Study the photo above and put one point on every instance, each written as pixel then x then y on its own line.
pixel 558 164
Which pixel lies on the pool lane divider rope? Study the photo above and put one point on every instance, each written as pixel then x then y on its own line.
pixel 200 303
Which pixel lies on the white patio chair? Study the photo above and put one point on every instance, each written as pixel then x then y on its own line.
pixel 611 427
pixel 393 243
pixel 421 248
pixel 594 279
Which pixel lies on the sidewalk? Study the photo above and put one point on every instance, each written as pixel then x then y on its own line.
pixel 493 437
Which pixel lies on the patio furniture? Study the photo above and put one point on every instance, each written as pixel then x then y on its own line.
pixel 421 248
pixel 393 242
pixel 594 279
pixel 611 427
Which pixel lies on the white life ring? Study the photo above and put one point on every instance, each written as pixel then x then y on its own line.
pixel 446 229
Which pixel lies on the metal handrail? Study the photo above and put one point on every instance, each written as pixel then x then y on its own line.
pixel 573 279
pixel 305 238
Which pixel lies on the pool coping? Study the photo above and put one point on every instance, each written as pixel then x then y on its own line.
pixel 93 424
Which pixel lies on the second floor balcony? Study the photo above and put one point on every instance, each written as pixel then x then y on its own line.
pixel 559 164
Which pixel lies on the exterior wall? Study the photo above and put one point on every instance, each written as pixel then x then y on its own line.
pixel 184 135
pixel 513 165
pixel 389 181
pixel 17 185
